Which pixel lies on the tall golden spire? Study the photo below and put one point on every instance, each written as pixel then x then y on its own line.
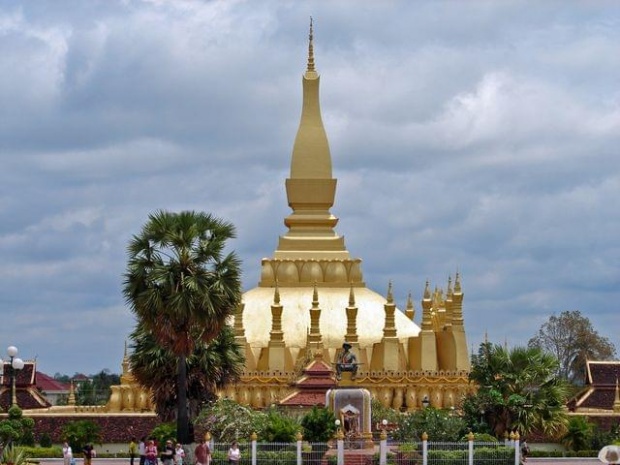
pixel 616 406
pixel 311 189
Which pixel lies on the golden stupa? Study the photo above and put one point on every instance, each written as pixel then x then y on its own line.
pixel 312 297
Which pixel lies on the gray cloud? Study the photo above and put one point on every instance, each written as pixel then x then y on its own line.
pixel 476 136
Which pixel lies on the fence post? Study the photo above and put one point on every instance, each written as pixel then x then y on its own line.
pixel 299 438
pixel 506 438
pixel 512 439
pixel 424 448
pixel 340 442
pixel 470 441
pixel 383 448
pixel 254 437
pixel 517 450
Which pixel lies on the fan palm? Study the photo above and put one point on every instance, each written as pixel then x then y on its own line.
pixel 518 389
pixel 182 287
pixel 210 367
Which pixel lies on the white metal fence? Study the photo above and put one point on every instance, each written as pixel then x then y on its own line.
pixel 340 452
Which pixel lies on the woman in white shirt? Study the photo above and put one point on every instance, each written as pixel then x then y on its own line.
pixel 234 454
pixel 67 453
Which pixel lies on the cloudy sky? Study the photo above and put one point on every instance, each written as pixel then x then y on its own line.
pixel 481 136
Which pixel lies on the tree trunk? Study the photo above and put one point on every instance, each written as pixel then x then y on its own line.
pixel 182 414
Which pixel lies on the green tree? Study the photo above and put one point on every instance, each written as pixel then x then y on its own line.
pixel 210 367
pixel 16 428
pixel 518 389
pixel 572 339
pixel 228 420
pixel 579 434
pixel 85 394
pixel 441 425
pixel 79 433
pixel 181 287
pixel 319 425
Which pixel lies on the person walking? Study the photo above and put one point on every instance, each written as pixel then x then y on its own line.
pixel 234 454
pixel 179 454
pixel 150 452
pixel 133 450
pixel 67 454
pixel 525 451
pixel 89 453
pixel 167 455
pixel 202 453
pixel 142 450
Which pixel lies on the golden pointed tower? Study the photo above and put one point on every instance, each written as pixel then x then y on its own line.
pixel 616 406
pixel 315 339
pixel 310 254
pixel 311 189
pixel 276 357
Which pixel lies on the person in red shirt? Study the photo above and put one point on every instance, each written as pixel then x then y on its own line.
pixel 202 453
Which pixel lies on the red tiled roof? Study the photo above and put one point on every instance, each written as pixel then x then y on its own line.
pixel 26 399
pixel 600 398
pixel 603 373
pixel 305 399
pixel 25 377
pixel 48 384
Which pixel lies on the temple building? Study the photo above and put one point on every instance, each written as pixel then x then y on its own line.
pixel 312 297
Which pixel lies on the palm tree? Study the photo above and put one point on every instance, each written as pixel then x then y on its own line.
pixel 518 389
pixel 181 287
pixel 210 367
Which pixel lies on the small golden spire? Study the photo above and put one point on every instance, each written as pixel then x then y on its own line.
pixel 409 301
pixel 315 296
pixel 617 398
pixel 427 291
pixel 276 294
pixel 310 49
pixel 351 296
pixel 125 364
pixel 410 310
pixel 457 283
pixel 71 400
pixel 390 297
pixel 449 290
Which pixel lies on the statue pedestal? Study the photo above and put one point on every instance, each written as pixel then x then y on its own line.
pixel 352 407
pixel 346 380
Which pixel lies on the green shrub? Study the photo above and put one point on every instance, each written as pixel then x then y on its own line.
pixel 45 440
pixel 319 425
pixel 27 438
pixel 280 428
pixel 42 452
pixel 14 455
pixel 579 433
pixel 163 432
pixel 80 433
pixel 480 437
